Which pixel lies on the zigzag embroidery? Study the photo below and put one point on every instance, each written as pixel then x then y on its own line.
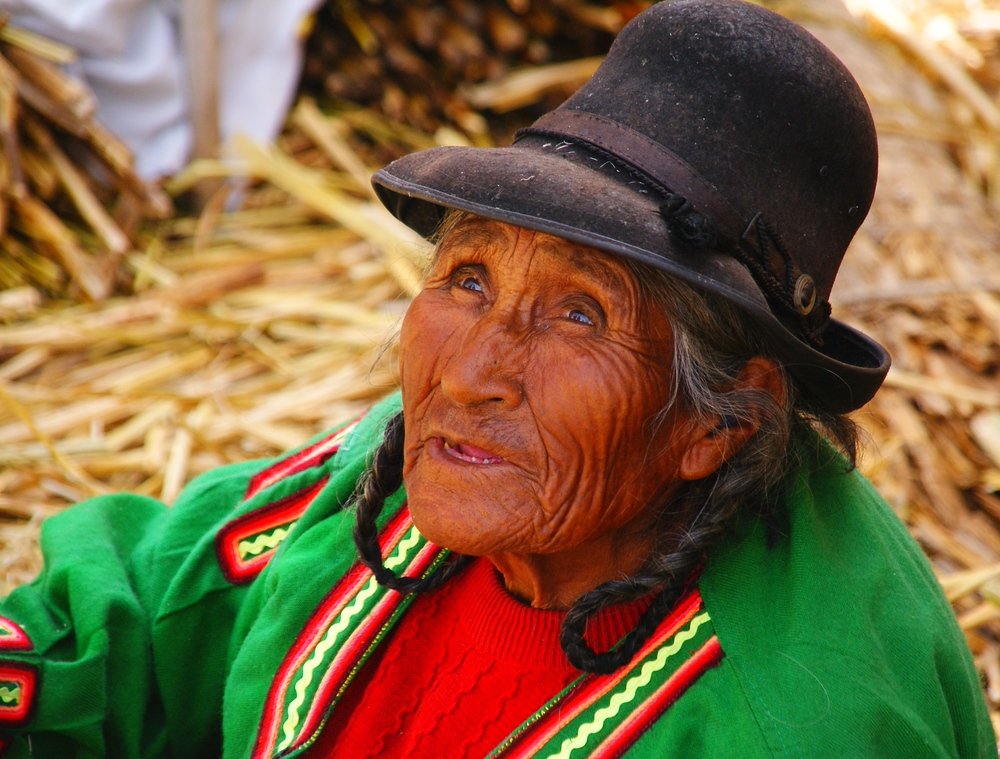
pixel 244 546
pixel 353 609
pixel 266 541
pixel 12 637
pixel 10 696
pixel 637 681
pixel 17 693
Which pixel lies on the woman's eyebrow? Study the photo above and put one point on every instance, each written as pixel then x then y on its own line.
pixel 472 235
pixel 592 266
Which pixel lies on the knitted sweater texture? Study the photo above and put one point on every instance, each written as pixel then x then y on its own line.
pixel 477 664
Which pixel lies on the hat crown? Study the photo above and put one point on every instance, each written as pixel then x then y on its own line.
pixel 759 108
pixel 717 142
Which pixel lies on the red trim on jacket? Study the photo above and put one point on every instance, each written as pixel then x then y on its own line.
pixel 315 455
pixel 245 545
pixel 19 682
pixel 13 637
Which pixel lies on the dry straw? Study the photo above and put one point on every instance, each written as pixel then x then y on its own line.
pixel 247 331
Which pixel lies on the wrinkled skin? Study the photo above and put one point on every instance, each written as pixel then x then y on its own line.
pixel 531 370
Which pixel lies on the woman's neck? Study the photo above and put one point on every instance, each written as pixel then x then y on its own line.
pixel 556 580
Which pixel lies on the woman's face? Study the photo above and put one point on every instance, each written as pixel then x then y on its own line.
pixel 533 372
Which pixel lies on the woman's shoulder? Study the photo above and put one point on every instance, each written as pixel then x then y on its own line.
pixel 238 517
pixel 837 630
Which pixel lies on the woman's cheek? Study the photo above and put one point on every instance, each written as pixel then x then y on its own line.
pixel 422 338
pixel 598 407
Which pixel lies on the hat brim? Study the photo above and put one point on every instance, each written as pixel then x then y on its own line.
pixel 572 194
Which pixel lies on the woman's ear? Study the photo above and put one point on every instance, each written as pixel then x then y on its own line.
pixel 717 439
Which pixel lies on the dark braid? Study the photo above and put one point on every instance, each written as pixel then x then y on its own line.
pixel 687 532
pixel 581 655
pixel 383 478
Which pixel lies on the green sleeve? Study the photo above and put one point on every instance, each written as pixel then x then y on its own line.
pixel 837 635
pixel 77 646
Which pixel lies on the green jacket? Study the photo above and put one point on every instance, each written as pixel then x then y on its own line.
pixel 226 625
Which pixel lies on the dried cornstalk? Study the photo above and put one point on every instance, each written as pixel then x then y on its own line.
pixel 41 46
pixel 329 135
pixel 55 157
pixel 118 159
pixel 11 179
pixel 894 21
pixel 38 223
pixel 63 94
pixel 365 219
pixel 527 86
pixel 79 191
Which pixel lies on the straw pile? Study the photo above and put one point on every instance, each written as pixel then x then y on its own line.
pixel 432 63
pixel 922 277
pixel 70 199
pixel 244 332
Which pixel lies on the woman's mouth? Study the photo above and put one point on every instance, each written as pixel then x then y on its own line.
pixel 470 453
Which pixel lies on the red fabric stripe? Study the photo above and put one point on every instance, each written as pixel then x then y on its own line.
pixel 14 638
pixel 274 706
pixel 594 687
pixel 238 570
pixel 355 646
pixel 25 676
pixel 332 604
pixel 628 732
pixel 393 533
pixel 312 456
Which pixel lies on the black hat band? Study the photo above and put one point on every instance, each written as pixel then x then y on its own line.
pixel 753 243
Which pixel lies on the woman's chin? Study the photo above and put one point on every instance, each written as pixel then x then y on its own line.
pixel 441 530
pixel 467 531
pixel 464 507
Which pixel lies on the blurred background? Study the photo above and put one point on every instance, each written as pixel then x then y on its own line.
pixel 193 269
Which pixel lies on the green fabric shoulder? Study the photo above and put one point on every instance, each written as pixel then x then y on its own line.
pixel 838 636
pixel 121 646
pixel 88 618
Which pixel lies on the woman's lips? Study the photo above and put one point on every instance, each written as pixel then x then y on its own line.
pixel 470 453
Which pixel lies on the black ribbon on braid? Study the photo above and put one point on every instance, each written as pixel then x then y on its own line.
pixel 383 478
pixel 583 657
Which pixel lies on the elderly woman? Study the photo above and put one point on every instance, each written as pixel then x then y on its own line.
pixel 621 533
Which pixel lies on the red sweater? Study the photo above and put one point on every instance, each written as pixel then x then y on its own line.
pixel 464 667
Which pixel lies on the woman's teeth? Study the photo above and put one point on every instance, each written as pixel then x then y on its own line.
pixel 470 454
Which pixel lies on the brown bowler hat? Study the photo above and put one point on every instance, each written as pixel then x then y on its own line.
pixel 718 141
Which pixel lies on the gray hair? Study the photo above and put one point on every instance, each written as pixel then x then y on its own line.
pixel 713 340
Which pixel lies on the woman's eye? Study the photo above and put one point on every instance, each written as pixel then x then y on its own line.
pixel 584 310
pixel 468 282
pixel 467 278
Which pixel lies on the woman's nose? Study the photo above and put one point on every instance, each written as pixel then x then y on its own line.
pixel 484 367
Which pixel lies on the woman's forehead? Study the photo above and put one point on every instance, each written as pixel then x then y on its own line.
pixel 475 234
